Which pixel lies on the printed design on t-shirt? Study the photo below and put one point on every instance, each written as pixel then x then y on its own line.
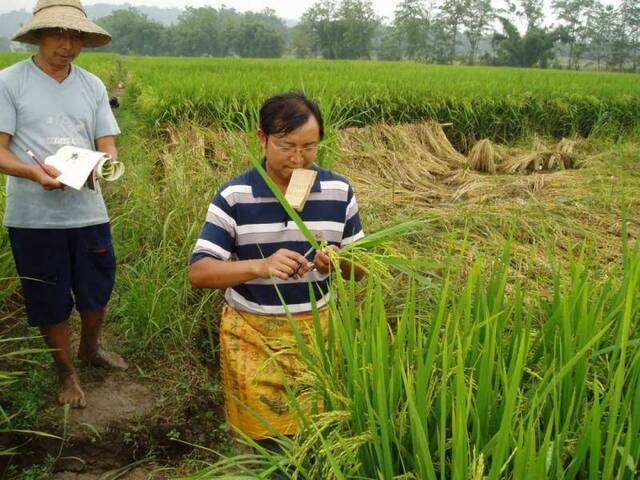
pixel 68 129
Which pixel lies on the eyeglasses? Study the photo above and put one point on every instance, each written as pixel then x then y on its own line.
pixel 308 150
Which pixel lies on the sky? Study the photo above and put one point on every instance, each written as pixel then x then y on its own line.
pixel 284 8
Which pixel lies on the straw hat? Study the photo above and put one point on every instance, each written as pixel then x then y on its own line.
pixel 65 14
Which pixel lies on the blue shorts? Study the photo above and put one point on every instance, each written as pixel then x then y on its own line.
pixel 54 263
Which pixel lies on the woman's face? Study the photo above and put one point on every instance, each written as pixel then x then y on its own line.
pixel 285 153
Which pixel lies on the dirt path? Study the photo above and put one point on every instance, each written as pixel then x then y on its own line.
pixel 116 405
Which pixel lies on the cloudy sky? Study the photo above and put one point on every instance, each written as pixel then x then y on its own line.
pixel 284 8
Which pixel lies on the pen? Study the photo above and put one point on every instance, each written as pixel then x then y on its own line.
pixel 35 159
pixel 40 164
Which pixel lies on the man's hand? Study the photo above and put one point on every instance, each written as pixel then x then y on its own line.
pixel 284 264
pixel 12 165
pixel 322 261
pixel 46 176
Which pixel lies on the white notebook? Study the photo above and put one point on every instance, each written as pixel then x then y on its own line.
pixel 80 167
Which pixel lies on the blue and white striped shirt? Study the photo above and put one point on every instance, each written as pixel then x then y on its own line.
pixel 245 221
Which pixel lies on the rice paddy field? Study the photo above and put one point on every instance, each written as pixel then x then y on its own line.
pixel 495 335
pixel 499 103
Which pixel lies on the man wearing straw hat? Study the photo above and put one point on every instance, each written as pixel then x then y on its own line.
pixel 60 238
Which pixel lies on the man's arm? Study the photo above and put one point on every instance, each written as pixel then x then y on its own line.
pixel 11 165
pixel 107 145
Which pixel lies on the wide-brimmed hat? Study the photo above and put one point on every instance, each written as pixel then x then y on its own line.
pixel 65 14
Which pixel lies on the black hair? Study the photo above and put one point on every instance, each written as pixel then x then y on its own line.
pixel 285 112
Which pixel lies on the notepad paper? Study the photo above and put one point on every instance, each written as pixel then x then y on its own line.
pixel 300 187
pixel 81 168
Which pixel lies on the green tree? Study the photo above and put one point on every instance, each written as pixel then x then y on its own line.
pixel 478 23
pixel 599 32
pixel 573 16
pixel 255 39
pixel 319 22
pixel 133 32
pixel 204 31
pixel 260 35
pixel 302 44
pixel 620 51
pixel 4 44
pixel 452 16
pixel 390 45
pixel 630 12
pixel 440 40
pixel 344 30
pixel 530 11
pixel 359 25
pixel 534 48
pixel 411 29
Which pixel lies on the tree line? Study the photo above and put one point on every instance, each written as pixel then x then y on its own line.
pixel 585 34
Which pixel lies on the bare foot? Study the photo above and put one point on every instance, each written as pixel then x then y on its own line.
pixel 104 359
pixel 70 392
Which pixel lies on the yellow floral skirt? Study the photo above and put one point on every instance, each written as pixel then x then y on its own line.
pixel 259 363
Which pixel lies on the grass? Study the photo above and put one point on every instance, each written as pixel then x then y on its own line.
pixel 507 364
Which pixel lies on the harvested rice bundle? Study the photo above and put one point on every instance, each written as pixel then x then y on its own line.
pixel 485 156
pixel 543 158
pixel 433 137
pixel 400 152
pixel 564 154
pixel 527 162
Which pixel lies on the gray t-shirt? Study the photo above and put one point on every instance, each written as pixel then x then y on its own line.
pixel 43 115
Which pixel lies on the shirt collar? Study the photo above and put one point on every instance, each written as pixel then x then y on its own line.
pixel 41 72
pixel 260 188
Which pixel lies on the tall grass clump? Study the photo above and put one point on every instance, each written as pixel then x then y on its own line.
pixel 15 356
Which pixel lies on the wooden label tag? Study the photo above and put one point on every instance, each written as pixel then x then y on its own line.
pixel 300 187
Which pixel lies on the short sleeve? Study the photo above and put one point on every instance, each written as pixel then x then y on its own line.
pixel 217 239
pixel 8 115
pixel 352 225
pixel 106 124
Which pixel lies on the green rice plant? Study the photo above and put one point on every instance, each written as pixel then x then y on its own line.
pixel 483 381
pixel 502 104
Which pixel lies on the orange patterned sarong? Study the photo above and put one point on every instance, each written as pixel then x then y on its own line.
pixel 259 362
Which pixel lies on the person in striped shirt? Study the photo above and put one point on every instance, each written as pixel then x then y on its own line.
pixel 250 247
